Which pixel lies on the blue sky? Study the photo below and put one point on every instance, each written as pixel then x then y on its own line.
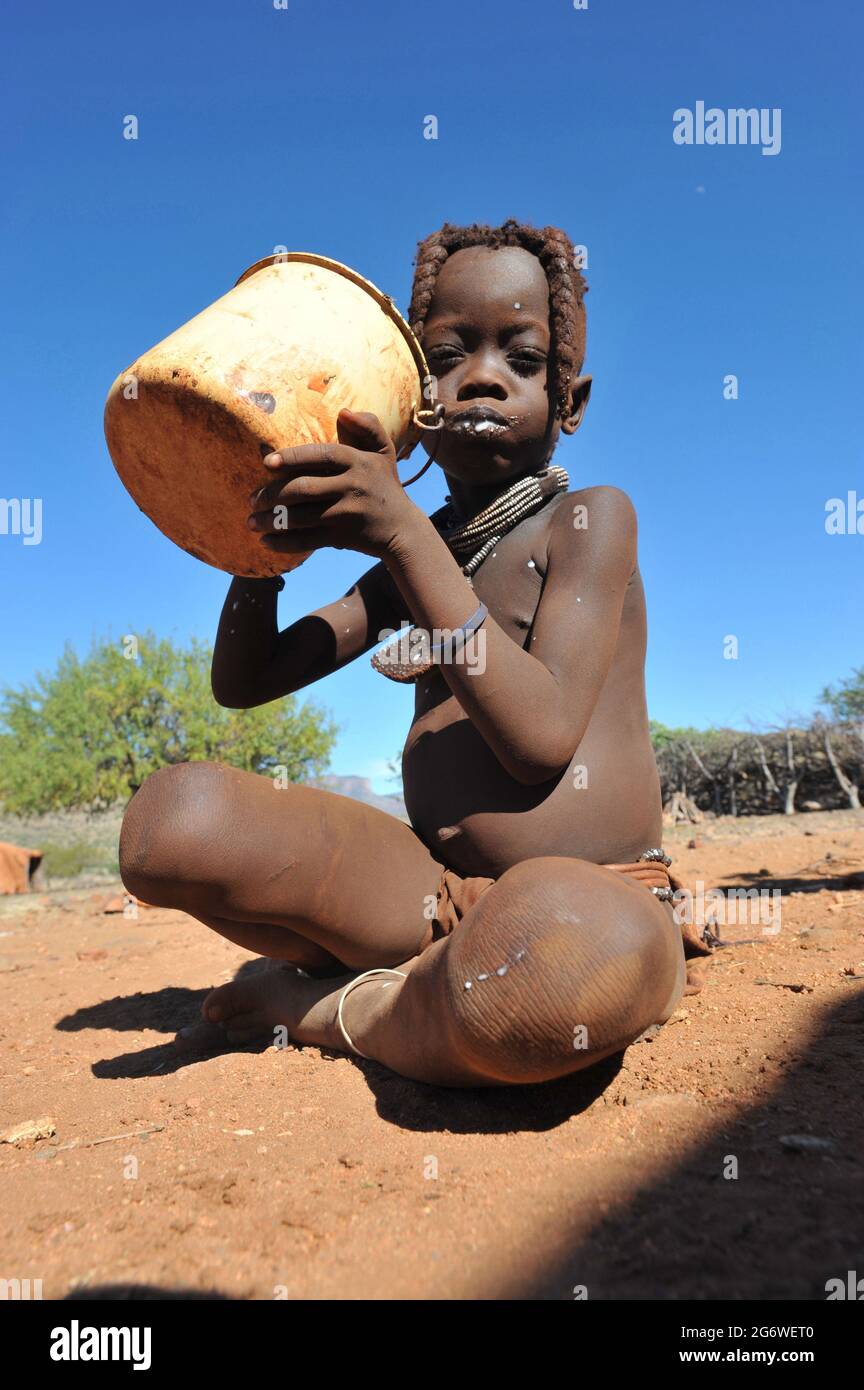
pixel 304 127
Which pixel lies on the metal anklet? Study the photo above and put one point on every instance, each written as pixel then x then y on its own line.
pixel 358 980
pixel 656 856
pixel 659 856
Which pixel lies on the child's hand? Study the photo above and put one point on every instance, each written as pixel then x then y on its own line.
pixel 346 495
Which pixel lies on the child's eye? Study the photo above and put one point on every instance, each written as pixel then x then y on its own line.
pixel 443 359
pixel 444 353
pixel 527 362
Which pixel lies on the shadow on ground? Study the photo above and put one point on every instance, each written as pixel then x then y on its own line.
pixel 408 1104
pixel 839 883
pixel 161 1011
pixel 487 1110
pixel 107 1293
pixel 788 1223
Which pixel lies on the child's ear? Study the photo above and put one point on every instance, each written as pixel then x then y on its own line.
pixel 580 390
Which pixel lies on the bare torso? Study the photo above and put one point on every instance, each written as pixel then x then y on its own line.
pixel 604 808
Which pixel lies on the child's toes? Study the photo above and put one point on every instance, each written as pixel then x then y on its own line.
pixel 243 1028
pixel 200 1037
pixel 225 1002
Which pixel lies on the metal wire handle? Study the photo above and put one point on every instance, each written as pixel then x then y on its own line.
pixel 437 414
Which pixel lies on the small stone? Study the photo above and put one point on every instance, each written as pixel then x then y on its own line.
pixel 648 1036
pixel 822 938
pixel 806 1143
pixel 29 1131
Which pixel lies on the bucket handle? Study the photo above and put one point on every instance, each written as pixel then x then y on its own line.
pixel 436 413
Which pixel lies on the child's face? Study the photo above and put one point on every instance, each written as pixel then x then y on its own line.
pixel 488 344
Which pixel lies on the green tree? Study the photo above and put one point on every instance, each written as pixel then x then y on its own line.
pixel 846 700
pixel 662 735
pixel 88 734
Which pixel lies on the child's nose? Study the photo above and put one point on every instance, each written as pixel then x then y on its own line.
pixel 482 377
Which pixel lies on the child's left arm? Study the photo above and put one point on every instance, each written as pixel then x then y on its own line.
pixel 533 706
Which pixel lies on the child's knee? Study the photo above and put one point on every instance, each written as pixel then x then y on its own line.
pixel 554 969
pixel 168 823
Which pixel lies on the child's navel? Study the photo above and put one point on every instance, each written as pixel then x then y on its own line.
pixel 448 831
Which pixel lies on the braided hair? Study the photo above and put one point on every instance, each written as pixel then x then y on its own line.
pixel 567 287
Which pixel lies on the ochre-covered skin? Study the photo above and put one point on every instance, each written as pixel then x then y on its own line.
pixel 268 365
pixel 534 771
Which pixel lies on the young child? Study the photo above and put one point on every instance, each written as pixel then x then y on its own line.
pixel 522 928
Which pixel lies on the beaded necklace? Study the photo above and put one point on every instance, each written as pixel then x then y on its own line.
pixel 404 659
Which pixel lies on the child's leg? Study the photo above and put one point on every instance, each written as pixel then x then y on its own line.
pixel 297 874
pixel 559 964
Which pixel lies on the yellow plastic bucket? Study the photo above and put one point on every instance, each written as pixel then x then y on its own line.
pixel 299 338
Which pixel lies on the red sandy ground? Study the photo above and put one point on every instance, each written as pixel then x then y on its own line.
pixel 287 1173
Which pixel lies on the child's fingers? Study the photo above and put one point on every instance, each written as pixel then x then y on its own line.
pixel 363 430
pixel 309 458
pixel 298 542
pixel 284 518
pixel 298 489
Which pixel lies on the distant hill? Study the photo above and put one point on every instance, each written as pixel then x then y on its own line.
pixel 360 788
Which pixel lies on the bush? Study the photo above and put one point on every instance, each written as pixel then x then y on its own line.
pixel 67 861
pixel 88 734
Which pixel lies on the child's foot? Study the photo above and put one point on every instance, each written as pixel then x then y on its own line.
pixel 245 1010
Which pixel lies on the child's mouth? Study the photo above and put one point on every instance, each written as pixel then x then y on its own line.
pixel 477 422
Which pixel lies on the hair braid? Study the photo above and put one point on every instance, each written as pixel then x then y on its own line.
pixel 567 287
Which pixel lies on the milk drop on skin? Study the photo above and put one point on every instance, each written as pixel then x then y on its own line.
pixel 502 969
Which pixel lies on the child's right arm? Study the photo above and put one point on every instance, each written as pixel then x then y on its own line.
pixel 253 662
